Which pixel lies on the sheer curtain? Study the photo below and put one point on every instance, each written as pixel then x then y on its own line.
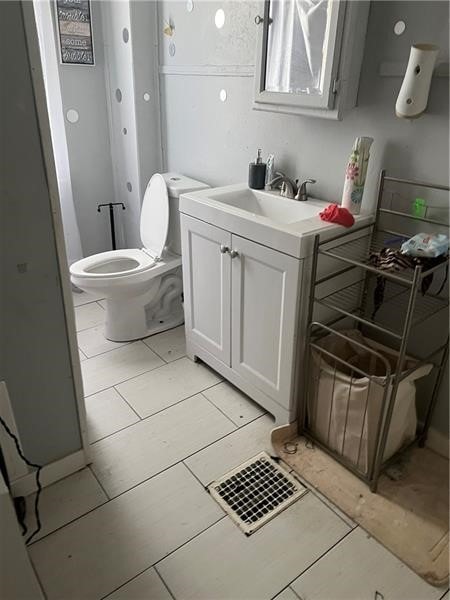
pixel 50 61
pixel 295 48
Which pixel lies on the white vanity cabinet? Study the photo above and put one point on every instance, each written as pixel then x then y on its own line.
pixel 246 269
pixel 206 284
pixel 241 304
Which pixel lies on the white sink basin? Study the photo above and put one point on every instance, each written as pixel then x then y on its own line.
pixel 280 223
pixel 269 205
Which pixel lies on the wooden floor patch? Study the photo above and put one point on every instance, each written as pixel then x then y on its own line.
pixel 409 514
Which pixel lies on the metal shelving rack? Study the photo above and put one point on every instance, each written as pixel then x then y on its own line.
pixel 403 308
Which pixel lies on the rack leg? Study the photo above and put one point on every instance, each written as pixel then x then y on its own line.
pixel 385 423
pixel 437 385
pixel 302 403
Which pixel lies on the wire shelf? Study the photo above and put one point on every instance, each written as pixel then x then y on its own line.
pixel 390 300
pixel 358 252
pixel 348 301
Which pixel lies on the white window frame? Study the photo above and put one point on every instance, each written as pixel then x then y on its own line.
pixel 347 28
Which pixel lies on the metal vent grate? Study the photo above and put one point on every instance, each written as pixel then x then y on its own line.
pixel 255 492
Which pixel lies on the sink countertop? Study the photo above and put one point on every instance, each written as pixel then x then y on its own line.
pixel 294 238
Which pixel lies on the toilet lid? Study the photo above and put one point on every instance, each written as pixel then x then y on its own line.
pixel 155 215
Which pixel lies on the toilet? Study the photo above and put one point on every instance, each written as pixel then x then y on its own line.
pixel 143 288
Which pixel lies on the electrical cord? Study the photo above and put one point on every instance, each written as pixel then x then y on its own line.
pixel 21 507
pixel 38 483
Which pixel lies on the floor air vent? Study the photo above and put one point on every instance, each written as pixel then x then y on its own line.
pixel 255 492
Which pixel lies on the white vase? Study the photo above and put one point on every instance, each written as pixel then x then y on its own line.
pixel 413 97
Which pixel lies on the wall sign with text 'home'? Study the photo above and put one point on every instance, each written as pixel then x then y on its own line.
pixel 75 32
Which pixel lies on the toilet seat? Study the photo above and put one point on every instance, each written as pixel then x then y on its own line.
pixel 154 225
pixel 114 263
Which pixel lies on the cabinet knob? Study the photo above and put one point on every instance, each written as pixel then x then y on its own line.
pixel 234 253
pixel 224 249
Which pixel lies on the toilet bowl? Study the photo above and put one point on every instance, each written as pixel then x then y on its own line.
pixel 142 288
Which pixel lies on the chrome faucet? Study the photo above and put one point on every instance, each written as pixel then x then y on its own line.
pixel 288 188
pixel 302 193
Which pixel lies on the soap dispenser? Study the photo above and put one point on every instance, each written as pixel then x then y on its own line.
pixel 257 173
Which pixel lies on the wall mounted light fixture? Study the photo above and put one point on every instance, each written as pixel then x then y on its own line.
pixel 413 97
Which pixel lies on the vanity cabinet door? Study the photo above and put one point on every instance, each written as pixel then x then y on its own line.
pixel 207 285
pixel 264 311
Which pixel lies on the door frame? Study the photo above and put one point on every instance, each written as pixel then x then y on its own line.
pixel 55 206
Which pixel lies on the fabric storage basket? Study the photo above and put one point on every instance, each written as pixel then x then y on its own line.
pixel 345 407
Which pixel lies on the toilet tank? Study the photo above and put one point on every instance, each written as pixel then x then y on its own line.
pixel 178 184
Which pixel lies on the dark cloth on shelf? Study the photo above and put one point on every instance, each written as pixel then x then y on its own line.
pixel 392 259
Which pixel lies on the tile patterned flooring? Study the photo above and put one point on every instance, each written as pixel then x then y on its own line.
pixel 138 524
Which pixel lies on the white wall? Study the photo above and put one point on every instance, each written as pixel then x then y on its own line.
pixel 214 141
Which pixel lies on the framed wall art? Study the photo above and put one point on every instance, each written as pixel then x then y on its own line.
pixel 75 32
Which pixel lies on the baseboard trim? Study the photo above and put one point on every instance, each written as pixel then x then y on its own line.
pixel 23 486
pixel 438 442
